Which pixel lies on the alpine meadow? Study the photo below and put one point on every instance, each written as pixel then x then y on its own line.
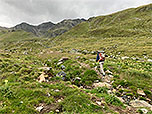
pixel 51 68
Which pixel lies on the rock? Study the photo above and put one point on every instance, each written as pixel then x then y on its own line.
pixel 85 52
pixel 39 108
pixel 149 60
pixel 109 92
pixel 140 103
pixel 78 57
pixel 99 103
pixel 108 72
pixel 61 74
pixel 59 63
pixel 63 59
pixel 111 76
pixel 62 67
pixel 77 78
pixel 96 81
pixel 124 57
pixel 144 111
pixel 93 60
pixel 45 68
pixel 102 84
pixel 141 92
pixel 41 78
pixel 56 90
pixel 59 100
pixel 114 90
pixel 48 94
pixel 121 99
pixel 93 52
pixel 57 111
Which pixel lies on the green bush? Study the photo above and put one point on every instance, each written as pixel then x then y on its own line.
pixel 6 91
pixel 113 100
pixel 89 77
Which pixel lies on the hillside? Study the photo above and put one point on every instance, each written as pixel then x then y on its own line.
pixel 60 75
pixel 128 32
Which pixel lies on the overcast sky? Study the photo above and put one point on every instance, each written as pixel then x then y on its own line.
pixel 13 12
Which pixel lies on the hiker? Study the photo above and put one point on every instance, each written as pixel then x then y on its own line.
pixel 101 58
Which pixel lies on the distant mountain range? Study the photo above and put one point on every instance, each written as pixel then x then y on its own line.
pixel 48 29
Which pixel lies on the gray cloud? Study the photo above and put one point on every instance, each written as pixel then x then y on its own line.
pixel 13 12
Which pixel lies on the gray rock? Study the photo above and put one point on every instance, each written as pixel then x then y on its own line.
pixel 63 59
pixel 39 108
pixel 61 74
pixel 102 84
pixel 62 67
pixel 144 111
pixel 140 103
pixel 123 58
pixel 45 68
pixel 93 52
pixel 59 63
pixel 149 60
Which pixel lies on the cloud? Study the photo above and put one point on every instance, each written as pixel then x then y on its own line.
pixel 13 12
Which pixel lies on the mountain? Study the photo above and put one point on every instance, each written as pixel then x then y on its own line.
pixel 49 29
pixel 126 23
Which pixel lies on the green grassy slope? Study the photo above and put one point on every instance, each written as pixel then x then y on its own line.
pixel 126 33
pixel 130 30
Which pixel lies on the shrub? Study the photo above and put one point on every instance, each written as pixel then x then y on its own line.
pixel 89 77
pixel 5 91
pixel 113 100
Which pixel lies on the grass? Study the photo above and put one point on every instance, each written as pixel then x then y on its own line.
pixel 119 34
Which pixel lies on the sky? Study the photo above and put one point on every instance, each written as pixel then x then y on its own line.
pixel 13 12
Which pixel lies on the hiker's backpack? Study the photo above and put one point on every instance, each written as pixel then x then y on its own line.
pixel 101 57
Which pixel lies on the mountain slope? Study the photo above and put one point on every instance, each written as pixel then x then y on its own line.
pixel 130 22
pixel 49 29
pixel 128 31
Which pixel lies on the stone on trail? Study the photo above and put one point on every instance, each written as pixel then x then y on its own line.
pixel 140 103
pixel 141 92
pixel 149 60
pixel 144 111
pixel 102 84
pixel 59 63
pixel 41 78
pixel 39 108
pixel 108 72
pixel 45 68
pixel 63 59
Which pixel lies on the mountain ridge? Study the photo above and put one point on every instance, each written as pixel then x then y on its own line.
pixel 48 29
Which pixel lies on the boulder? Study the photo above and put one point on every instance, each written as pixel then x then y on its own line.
pixel 63 59
pixel 140 103
pixel 102 84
